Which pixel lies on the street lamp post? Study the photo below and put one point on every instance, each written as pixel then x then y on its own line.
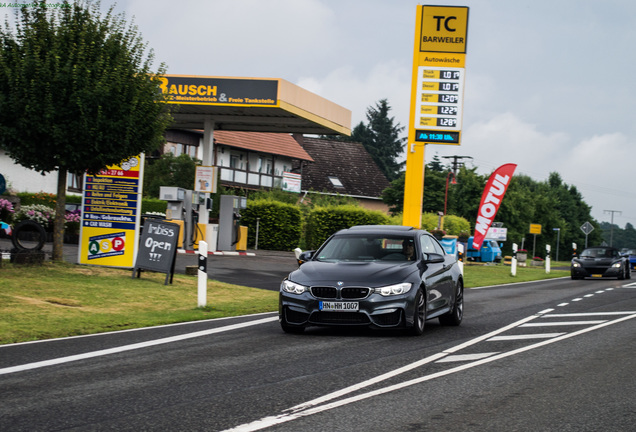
pixel 558 230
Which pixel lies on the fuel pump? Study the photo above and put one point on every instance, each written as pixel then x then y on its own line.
pixel 230 221
pixel 182 208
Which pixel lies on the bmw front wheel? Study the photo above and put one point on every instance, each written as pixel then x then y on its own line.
pixel 456 314
pixel 419 315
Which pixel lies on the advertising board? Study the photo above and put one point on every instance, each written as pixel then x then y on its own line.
pixel 111 205
pixel 158 247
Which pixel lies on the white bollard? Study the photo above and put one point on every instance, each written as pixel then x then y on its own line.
pixel 203 274
pixel 513 263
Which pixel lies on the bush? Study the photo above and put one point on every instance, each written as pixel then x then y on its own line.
pixel 6 210
pixel 39 198
pixel 153 205
pixel 456 225
pixel 324 221
pixel 39 213
pixel 430 221
pixel 279 225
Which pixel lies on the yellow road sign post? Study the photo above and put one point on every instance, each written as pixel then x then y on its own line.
pixel 437 87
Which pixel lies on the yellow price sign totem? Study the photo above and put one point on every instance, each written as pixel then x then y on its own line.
pixel 437 88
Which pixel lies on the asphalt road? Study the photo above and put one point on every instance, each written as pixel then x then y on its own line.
pixel 259 269
pixel 553 355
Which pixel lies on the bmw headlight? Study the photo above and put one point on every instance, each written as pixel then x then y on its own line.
pixel 617 265
pixel 292 287
pixel 397 289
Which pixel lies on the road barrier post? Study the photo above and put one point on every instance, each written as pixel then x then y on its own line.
pixel 203 274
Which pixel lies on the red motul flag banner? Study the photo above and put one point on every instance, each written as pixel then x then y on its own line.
pixel 490 200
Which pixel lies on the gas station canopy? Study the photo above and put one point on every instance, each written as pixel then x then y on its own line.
pixel 252 104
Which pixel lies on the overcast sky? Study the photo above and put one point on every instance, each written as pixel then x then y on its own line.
pixel 549 83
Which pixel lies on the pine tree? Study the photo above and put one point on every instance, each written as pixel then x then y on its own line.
pixel 381 138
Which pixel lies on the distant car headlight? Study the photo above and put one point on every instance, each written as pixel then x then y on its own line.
pixel 617 265
pixel 576 264
pixel 397 289
pixel 293 288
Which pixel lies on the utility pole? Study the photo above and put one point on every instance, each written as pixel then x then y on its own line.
pixel 457 162
pixel 612 223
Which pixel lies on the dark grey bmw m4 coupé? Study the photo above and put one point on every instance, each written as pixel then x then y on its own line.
pixel 379 276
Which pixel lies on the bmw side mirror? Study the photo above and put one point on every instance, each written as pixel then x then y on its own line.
pixel 433 258
pixel 304 257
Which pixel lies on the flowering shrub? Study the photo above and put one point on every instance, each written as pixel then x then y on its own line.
pixel 36 212
pixel 41 198
pixel 72 221
pixel 6 210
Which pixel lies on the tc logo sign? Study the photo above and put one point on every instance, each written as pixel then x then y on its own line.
pixel 444 29
pixel 442 20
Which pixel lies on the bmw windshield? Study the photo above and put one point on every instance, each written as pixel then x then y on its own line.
pixel 599 253
pixel 367 248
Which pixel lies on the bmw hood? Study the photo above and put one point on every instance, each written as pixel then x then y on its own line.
pixel 369 274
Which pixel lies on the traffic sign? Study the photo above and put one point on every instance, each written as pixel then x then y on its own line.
pixel 587 228
pixel 535 228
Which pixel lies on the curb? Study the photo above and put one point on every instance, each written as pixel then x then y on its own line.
pixel 227 253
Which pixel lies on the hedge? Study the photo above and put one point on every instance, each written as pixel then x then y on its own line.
pixel 280 224
pixel 324 221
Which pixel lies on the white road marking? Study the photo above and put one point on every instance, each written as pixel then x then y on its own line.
pixel 139 329
pixel 465 357
pixel 395 372
pixel 311 409
pixel 131 347
pixel 525 337
pixel 588 314
pixel 563 323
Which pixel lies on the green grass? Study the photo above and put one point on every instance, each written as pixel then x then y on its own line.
pixel 61 299
pixel 478 275
pixel 56 300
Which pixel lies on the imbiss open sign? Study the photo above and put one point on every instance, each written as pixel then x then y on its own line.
pixel 157 247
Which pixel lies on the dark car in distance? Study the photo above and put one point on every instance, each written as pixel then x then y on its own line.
pixel 379 276
pixel 601 261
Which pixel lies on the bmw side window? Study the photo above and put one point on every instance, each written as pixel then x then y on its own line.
pixel 438 247
pixel 427 244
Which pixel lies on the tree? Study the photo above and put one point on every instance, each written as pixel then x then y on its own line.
pixel 169 170
pixel 76 93
pixel 380 137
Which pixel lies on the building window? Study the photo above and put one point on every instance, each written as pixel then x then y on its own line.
pixel 335 181
pixel 74 182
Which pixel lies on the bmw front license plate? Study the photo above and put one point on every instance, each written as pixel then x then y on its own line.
pixel 338 306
